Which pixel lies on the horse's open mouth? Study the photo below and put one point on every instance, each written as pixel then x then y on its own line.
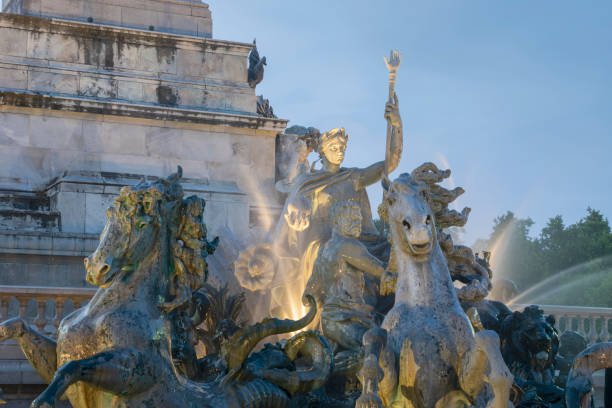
pixel 102 278
pixel 421 248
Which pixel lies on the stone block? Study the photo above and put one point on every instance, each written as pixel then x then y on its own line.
pixel 118 138
pixel 97 87
pixel 56 47
pixel 205 146
pixel 129 91
pixel 13 42
pixel 190 63
pixel 238 219
pixel 65 8
pixel 72 208
pixel 56 133
pixel 178 23
pixel 28 374
pixel 149 92
pixel 241 102
pixel 135 164
pixel 215 216
pixel 101 12
pixel 234 68
pixel 23 163
pixel 135 17
pixel 44 81
pixel 14 129
pixel 157 59
pixel 213 65
pixel 128 57
pixel 205 28
pixel 95 211
pixel 163 142
pixel 13 78
pixel 191 96
pixel 32 7
pixel 201 12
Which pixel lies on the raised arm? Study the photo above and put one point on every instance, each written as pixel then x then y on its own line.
pixel 355 254
pixel 375 172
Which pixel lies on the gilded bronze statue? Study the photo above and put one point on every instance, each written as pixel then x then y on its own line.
pixel 285 261
pixel 345 281
pixel 118 350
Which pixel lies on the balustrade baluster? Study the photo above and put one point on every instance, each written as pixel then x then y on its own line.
pixel 40 321
pixel 59 311
pixel 606 336
pixel 23 307
pixel 592 334
pixel 580 327
pixel 4 308
pixel 565 319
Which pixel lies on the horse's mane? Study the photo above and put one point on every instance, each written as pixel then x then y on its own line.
pixel 460 259
pixel 162 201
pixel 428 175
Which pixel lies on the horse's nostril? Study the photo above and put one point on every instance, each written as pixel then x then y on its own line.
pixel 86 262
pixel 105 268
pixel 406 224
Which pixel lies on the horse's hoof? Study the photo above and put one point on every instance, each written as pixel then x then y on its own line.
pixel 41 404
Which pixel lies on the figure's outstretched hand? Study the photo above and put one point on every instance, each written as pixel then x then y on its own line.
pixel 392 114
pixel 393 61
pixel 298 216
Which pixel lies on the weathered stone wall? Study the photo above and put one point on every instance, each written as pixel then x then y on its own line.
pixel 87 108
pixel 186 17
pixel 108 63
pixel 39 145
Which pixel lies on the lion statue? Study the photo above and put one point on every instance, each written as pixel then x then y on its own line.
pixel 530 343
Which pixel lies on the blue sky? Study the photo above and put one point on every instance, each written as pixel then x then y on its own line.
pixel 515 96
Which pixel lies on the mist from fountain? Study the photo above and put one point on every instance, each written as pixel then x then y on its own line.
pixel 586 272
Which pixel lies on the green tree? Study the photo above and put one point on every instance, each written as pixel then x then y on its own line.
pixel 578 256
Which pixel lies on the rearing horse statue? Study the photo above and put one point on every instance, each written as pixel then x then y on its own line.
pixel 117 350
pixel 432 357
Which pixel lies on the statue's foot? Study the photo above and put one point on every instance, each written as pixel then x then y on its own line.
pixel 369 400
pixel 41 404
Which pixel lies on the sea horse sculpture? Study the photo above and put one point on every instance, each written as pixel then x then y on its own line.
pixel 432 357
pixel 116 351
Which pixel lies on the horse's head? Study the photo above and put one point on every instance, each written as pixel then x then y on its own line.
pixel 133 228
pixel 410 218
pixel 415 206
pixel 128 236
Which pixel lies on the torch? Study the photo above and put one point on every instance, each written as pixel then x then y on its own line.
pixel 392 63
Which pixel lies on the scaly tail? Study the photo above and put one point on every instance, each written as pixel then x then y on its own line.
pixel 239 346
pixel 260 394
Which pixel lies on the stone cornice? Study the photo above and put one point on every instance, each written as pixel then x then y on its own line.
pixel 82 29
pixel 27 99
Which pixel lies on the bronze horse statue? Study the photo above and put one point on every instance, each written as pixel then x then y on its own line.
pixel 117 350
pixel 427 348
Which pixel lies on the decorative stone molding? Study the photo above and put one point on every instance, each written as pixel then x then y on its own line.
pixel 186 17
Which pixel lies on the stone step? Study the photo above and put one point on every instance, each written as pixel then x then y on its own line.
pixel 24 201
pixel 30 220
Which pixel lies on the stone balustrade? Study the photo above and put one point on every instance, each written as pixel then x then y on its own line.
pixel 595 323
pixel 42 306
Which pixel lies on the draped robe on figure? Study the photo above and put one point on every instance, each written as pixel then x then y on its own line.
pixel 297 250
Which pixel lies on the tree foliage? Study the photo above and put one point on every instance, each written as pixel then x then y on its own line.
pixel 574 261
